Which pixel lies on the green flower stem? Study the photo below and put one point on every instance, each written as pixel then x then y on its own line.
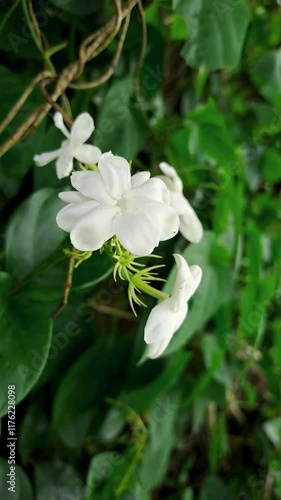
pixel 148 289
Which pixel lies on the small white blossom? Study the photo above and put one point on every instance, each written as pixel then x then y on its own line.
pixel 190 226
pixel 111 202
pixel 167 317
pixel 73 146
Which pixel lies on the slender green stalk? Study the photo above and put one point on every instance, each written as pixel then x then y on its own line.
pixel 8 14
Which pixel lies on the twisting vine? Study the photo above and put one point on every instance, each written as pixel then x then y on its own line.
pixel 90 48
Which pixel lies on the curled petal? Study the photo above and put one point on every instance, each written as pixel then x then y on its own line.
pixel 155 350
pixel 137 233
pixel 88 154
pixel 91 185
pixel 45 158
pixel 187 281
pixel 58 121
pixel 94 229
pixel 68 216
pixel 167 181
pixel 115 172
pixel 190 225
pixel 179 203
pixel 82 129
pixel 139 178
pixel 171 172
pixel 163 322
pixel 64 163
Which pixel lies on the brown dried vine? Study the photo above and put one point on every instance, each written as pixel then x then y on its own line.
pixel 90 48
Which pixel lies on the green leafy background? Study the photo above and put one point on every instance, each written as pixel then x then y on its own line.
pixel 95 419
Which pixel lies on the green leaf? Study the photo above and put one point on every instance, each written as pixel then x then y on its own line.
pixel 32 234
pixel 214 487
pixel 141 399
pixel 247 320
pixel 22 489
pixel 100 469
pixel 120 126
pixel 57 480
pixel 25 342
pixel 218 442
pixel 19 159
pixel 210 135
pixel 188 494
pixel 33 430
pixel 271 165
pixel 86 385
pixel 211 352
pixel 216 32
pixel 48 285
pixel 162 438
pixel 266 74
pixel 214 290
pixel 5 285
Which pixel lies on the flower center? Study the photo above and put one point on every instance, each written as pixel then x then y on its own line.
pixel 123 204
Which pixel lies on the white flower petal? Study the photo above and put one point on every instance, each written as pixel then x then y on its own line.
pixel 154 189
pixel 64 163
pixel 167 181
pixel 155 350
pixel 88 154
pixel 162 215
pixel 179 203
pixel 58 121
pixel 172 174
pixel 72 197
pixel 93 230
pixel 71 214
pixel 139 178
pixel 91 185
pixel 197 274
pixel 190 226
pixel 163 321
pixel 45 158
pixel 187 282
pixel 81 129
pixel 115 172
pixel 137 233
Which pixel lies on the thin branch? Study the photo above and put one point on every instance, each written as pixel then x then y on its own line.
pixel 109 72
pixel 67 287
pixel 23 98
pixel 136 77
pixel 70 73
pixel 112 311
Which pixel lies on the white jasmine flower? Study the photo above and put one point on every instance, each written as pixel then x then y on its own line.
pixel 167 317
pixel 73 146
pixel 190 226
pixel 111 202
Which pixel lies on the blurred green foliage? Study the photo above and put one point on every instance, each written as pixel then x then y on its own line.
pixel 92 420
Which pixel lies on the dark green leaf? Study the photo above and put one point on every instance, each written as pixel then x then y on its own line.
pixel 216 32
pixel 120 126
pixel 33 234
pixel 25 342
